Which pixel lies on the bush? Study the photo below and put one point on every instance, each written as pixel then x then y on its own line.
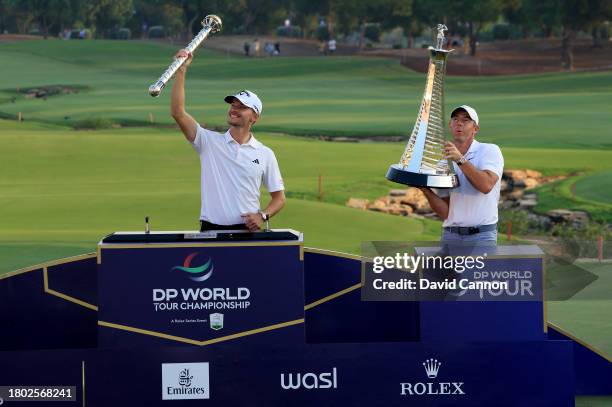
pixel 239 30
pixel 518 218
pixel 93 123
pixel 124 34
pixel 76 34
pixel 394 38
pixel 293 31
pixel 501 32
pixel 372 32
pixel 157 31
pixel 322 33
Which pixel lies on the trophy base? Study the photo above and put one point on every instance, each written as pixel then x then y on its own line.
pixel 397 174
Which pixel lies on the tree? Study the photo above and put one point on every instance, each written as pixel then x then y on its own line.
pixel 475 14
pixel 574 16
pixel 103 15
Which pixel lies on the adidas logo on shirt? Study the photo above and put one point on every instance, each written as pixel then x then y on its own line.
pixel 256 161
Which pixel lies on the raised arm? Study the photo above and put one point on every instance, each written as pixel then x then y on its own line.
pixel 177 101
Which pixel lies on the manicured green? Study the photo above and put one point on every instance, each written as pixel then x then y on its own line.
pixel 333 96
pixel 597 187
pixel 69 188
pixel 589 193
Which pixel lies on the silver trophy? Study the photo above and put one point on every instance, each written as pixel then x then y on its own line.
pixel 210 24
pixel 423 163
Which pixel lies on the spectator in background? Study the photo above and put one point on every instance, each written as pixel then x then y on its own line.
pixel 269 49
pixel 256 47
pixel 247 49
pixel 331 45
pixel 323 48
pixel 277 48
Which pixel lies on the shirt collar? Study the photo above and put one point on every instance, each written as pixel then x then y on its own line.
pixel 253 142
pixel 473 148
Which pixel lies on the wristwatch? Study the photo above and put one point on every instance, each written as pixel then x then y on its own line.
pixel 266 218
pixel 462 161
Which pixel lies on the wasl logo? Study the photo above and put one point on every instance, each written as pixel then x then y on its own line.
pixel 432 367
pixel 293 381
pixel 199 273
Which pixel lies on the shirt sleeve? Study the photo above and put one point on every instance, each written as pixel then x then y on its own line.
pixel 493 160
pixel 272 177
pixel 441 192
pixel 200 138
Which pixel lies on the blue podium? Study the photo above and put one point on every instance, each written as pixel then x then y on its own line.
pixel 233 318
pixel 200 288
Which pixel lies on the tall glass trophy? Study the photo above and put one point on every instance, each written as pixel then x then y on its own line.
pixel 423 163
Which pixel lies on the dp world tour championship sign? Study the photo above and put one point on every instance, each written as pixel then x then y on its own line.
pixel 200 292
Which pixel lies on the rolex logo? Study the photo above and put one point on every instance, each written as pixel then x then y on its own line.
pixel 431 368
pixel 434 387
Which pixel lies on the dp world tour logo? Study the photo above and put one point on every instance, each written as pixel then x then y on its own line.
pixel 196 273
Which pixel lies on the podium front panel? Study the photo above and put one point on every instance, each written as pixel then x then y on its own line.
pixel 200 293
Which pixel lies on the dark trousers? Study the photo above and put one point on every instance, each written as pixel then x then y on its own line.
pixel 204 226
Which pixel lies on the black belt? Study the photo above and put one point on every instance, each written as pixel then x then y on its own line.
pixel 204 225
pixel 470 230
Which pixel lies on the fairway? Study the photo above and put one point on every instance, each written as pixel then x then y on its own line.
pixel 65 189
pixel 348 96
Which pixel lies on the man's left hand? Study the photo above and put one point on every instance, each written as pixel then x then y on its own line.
pixel 451 151
pixel 253 221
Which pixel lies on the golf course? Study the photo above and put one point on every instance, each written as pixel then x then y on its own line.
pixel 94 153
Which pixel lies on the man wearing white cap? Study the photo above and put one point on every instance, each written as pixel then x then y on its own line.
pixel 233 164
pixel 470 210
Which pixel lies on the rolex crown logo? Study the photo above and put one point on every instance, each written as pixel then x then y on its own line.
pixel 431 368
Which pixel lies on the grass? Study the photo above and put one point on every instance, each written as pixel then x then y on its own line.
pixel 596 188
pixel 589 193
pixel 66 189
pixel 345 96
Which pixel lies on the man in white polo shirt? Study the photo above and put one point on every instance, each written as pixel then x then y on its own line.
pixel 470 210
pixel 233 164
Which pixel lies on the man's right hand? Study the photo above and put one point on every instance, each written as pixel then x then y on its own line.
pixel 188 55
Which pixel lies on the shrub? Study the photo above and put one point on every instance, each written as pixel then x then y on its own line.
pixel 372 32
pixel 518 218
pixel 93 123
pixel 76 34
pixel 293 31
pixel 501 32
pixel 322 33
pixel 157 31
pixel 124 34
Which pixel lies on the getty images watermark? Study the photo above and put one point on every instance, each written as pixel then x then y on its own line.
pixel 396 271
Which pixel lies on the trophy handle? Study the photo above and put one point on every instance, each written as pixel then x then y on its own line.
pixel 211 24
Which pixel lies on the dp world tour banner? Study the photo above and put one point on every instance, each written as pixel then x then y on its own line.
pixel 199 294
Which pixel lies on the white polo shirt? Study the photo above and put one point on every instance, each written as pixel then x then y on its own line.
pixel 468 206
pixel 232 175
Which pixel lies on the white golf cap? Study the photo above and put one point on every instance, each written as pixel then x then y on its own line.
pixel 249 99
pixel 469 110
